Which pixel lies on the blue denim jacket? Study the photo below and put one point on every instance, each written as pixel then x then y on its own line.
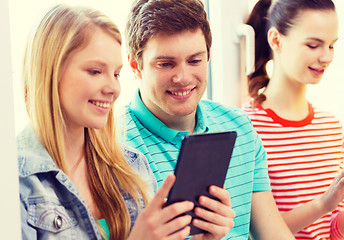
pixel 51 206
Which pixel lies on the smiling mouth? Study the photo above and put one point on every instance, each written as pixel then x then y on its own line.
pixel 180 93
pixel 317 70
pixel 101 104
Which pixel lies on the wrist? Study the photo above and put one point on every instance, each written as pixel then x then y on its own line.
pixel 321 205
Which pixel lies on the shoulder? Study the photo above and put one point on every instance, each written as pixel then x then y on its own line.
pixel 130 120
pixel 131 154
pixel 223 118
pixel 32 156
pixel 325 118
pixel 214 107
pixel 324 114
pixel 249 109
pixel 227 116
pixel 139 163
pixel 136 159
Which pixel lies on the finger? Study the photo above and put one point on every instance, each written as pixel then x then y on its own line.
pixel 216 206
pixel 213 229
pixel 215 218
pixel 170 212
pixel 341 183
pixel 182 234
pixel 159 198
pixel 175 225
pixel 339 177
pixel 221 193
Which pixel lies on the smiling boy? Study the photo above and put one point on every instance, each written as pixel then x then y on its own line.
pixel 169 50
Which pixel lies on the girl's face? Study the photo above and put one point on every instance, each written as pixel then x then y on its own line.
pixel 89 83
pixel 307 49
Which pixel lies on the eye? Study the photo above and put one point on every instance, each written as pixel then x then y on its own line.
pixel 165 64
pixel 312 46
pixel 195 61
pixel 117 76
pixel 93 71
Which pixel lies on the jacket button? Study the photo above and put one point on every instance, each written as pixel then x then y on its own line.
pixel 58 222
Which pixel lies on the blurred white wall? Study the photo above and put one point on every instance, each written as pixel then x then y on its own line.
pixel 328 94
pixel 9 201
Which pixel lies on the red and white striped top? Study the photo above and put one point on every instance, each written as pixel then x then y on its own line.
pixel 303 159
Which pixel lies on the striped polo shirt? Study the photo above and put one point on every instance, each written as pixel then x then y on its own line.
pixel 247 171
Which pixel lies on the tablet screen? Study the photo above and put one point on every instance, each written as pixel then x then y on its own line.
pixel 203 161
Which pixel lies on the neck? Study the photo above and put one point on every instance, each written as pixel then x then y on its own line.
pixel 74 148
pixel 184 123
pixel 77 167
pixel 287 98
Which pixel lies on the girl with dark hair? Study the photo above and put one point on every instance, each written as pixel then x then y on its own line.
pixel 304 144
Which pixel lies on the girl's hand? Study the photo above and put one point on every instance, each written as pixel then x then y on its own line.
pixel 334 194
pixel 157 221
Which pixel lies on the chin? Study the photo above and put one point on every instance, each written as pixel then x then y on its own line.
pixel 184 112
pixel 315 81
pixel 97 125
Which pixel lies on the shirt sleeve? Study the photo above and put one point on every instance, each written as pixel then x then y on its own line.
pixel 261 175
pixel 150 179
pixel 335 232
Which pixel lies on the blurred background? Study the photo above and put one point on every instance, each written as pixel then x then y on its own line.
pixel 227 82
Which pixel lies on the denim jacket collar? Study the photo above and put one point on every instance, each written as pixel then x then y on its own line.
pixel 32 156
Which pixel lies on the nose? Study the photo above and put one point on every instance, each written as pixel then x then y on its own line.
pixel 111 86
pixel 182 75
pixel 326 56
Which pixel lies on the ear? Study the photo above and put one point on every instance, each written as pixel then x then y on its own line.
pixel 134 65
pixel 274 39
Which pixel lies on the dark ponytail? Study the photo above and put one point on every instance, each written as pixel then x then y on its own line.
pixel 282 15
pixel 259 79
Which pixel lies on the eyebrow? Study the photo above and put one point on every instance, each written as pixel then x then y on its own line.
pixel 97 62
pixel 319 40
pixel 171 58
pixel 102 63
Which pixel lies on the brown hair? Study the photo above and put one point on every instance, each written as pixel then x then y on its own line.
pixel 62 31
pixel 148 18
pixel 281 14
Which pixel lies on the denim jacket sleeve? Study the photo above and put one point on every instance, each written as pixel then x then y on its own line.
pixel 139 163
pixel 28 232
pixel 51 206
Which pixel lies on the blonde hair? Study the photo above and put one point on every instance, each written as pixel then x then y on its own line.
pixel 61 32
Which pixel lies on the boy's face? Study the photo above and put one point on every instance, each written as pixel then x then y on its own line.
pixel 174 74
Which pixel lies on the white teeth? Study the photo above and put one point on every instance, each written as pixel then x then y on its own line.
pixel 181 93
pixel 101 104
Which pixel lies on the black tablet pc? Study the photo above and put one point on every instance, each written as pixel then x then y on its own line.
pixel 203 161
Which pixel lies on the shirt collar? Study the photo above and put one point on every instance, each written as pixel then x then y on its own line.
pixel 201 119
pixel 151 122
pixel 157 127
